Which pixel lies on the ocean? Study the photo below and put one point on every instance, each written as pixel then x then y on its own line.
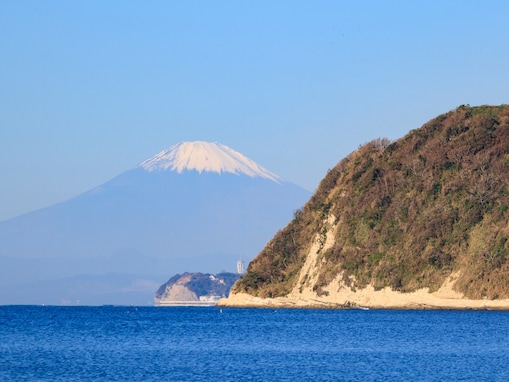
pixel 120 343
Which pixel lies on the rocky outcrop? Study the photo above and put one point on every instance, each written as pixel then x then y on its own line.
pixel 416 223
pixel 195 289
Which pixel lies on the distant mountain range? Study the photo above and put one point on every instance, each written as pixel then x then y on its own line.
pixel 195 207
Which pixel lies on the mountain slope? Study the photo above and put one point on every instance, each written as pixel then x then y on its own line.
pixel 426 212
pixel 195 207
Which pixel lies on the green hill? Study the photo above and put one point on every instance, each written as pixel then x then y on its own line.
pixel 406 215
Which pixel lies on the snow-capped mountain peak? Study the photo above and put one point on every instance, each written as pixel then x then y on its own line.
pixel 206 156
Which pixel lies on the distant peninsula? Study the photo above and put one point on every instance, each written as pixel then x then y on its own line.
pixel 195 289
pixel 418 223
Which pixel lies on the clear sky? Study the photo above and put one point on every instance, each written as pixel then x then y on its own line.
pixel 89 89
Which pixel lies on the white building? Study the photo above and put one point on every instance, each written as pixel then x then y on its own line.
pixel 240 267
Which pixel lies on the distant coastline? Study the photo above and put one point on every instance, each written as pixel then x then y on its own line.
pixel 187 303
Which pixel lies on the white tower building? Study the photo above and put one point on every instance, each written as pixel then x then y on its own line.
pixel 240 267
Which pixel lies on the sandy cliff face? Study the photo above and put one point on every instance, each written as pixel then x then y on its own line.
pixel 339 295
pixel 178 291
pixel 416 223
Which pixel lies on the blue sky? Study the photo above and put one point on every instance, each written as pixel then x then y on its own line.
pixel 88 89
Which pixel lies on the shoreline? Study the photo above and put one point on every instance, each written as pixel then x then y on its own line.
pixel 337 306
pixel 338 295
pixel 247 301
pixel 342 297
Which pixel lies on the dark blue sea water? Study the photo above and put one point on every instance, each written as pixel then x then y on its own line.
pixel 207 344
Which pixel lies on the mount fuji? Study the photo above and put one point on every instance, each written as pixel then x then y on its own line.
pixel 195 207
